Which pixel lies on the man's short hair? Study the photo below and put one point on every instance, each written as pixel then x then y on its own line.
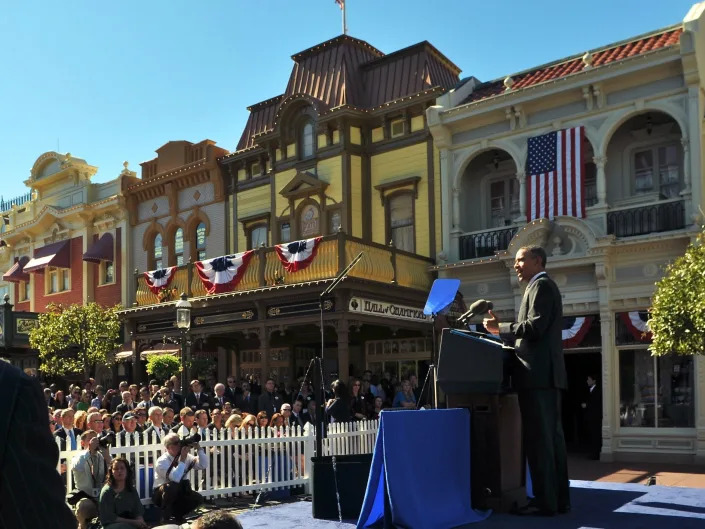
pixel 218 520
pixel 536 251
pixel 185 411
pixel 219 385
pixel 124 384
pixel 198 413
pixel 194 381
pixel 65 412
pixel 125 393
pixel 171 439
pixel 153 409
pixel 285 406
pixel 88 433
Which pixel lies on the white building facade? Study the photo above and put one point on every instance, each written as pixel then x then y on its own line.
pixel 641 103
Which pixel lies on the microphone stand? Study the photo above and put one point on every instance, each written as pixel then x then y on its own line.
pixel 318 371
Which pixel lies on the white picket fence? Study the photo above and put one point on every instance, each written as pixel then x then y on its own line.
pixel 248 461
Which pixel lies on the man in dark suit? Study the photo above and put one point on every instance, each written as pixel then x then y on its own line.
pixel 31 489
pixel 593 417
pixel 70 436
pixel 539 376
pixel 232 390
pixel 246 402
pixel 197 399
pixel 157 430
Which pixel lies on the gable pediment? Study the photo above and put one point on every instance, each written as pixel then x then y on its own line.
pixel 303 184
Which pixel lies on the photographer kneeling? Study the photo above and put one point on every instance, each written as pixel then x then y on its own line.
pixel 172 489
pixel 88 470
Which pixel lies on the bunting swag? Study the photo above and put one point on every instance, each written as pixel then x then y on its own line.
pixel 297 255
pixel 158 279
pixel 637 324
pixel 222 274
pixel 575 329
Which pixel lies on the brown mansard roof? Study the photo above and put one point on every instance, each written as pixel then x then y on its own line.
pixel 348 71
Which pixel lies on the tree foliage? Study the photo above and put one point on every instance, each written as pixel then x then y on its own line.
pixel 163 367
pixel 201 366
pixel 75 338
pixel 678 312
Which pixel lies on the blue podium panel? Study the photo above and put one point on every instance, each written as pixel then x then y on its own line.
pixel 420 475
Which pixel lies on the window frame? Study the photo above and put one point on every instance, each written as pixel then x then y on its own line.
pixel 301 138
pixel 197 248
pixel 506 178
pixel 24 291
pixel 653 146
pixel 388 213
pixel 102 270
pixel 393 122
pixel 174 254
pixel 60 273
pixel 153 259
pixel 251 228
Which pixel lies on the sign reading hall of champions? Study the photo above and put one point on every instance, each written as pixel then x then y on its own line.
pixel 389 310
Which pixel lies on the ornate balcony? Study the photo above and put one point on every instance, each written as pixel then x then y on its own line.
pixel 383 264
pixel 485 243
pixel 652 218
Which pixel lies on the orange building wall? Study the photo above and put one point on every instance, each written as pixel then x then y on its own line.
pixel 109 295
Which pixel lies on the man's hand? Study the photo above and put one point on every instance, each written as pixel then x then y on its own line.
pixel 93 445
pixel 491 323
pixel 184 452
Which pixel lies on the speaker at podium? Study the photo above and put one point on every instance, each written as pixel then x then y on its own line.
pixel 474 371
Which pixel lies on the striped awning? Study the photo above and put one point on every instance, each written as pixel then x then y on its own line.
pixel 56 254
pixel 16 272
pixel 100 250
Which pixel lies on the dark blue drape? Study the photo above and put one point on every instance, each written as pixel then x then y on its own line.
pixel 423 457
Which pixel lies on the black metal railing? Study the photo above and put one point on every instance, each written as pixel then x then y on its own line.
pixel 486 243
pixel 17 201
pixel 653 218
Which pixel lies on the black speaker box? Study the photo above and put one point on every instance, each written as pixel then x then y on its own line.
pixel 351 474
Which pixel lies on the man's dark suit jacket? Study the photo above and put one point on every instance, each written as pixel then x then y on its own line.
pixel 61 434
pixel 593 409
pixel 203 402
pixel 246 404
pixel 31 490
pixel 148 432
pixel 232 394
pixel 124 408
pixel 537 338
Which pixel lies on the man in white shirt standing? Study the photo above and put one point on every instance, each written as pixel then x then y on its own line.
pixel 172 469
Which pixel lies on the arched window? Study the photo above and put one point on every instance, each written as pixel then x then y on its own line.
pixel 401 221
pixel 306 140
pixel 179 247
pixel 157 251
pixel 201 241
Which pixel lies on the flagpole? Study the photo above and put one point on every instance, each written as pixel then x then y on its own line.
pixel 345 25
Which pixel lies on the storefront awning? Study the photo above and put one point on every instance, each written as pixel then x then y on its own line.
pixel 123 356
pixel 100 250
pixel 57 254
pixel 16 272
pixel 149 352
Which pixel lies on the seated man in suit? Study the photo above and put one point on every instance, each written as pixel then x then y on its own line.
pixel 187 419
pixel 197 400
pixel 70 436
pixel 219 399
pixel 129 436
pixel 127 404
pixel 156 430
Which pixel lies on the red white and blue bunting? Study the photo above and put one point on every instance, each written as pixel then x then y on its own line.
pixel 297 255
pixel 222 274
pixel 637 322
pixel 575 329
pixel 158 279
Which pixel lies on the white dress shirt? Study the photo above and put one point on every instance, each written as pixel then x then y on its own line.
pixel 177 473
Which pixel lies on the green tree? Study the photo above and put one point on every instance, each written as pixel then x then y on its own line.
pixel 162 367
pixel 75 338
pixel 678 312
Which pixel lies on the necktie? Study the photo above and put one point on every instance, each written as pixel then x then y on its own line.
pixel 221 401
pixel 198 395
pixel 73 438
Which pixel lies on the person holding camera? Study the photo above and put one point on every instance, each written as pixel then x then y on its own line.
pixel 172 489
pixel 120 506
pixel 88 470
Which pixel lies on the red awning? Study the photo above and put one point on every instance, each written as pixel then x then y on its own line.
pixel 100 250
pixel 16 273
pixel 56 254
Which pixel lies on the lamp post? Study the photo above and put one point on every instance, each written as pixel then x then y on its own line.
pixel 183 322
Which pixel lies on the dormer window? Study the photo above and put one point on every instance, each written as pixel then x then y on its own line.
pixel 397 128
pixel 255 169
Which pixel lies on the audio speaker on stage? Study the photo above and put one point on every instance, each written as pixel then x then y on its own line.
pixel 351 474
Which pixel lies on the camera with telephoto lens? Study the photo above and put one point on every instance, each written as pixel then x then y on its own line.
pixel 107 440
pixel 190 440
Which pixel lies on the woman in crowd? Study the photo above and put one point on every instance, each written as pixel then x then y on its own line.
pixel 359 407
pixel 277 421
pixel 107 421
pixel 379 406
pixel 233 423
pixel 249 422
pixel 60 402
pixel 262 419
pixel 116 422
pixel 75 398
pixel 119 506
pixel 85 401
pixel 338 408
pixel 405 398
pixel 79 420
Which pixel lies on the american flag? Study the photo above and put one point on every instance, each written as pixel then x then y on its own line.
pixel 341 3
pixel 556 174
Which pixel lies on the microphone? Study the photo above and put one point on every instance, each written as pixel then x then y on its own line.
pixel 481 306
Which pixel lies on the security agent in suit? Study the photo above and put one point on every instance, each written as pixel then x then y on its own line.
pixel 539 376
pixel 28 458
pixel 198 400
pixel 593 417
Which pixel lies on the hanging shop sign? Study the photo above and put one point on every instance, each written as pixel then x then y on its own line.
pixel 386 309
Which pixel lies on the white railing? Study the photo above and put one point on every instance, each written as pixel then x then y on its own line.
pixel 246 461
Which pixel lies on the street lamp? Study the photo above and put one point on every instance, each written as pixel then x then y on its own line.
pixel 183 322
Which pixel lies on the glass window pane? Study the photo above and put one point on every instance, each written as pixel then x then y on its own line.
pixel 307 140
pixel 643 171
pixel 109 270
pixel 179 241
pixel 676 408
pixel 201 236
pixel 334 221
pixel 401 218
pixel 259 236
pixel 179 260
pixel 54 281
pixel 201 255
pixel 158 264
pixel 64 279
pixel 669 171
pixel 285 232
pixel 637 389
pixel 158 247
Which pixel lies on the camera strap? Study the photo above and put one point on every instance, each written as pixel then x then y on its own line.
pixel 172 466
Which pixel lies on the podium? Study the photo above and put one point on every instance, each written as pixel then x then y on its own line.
pixel 474 371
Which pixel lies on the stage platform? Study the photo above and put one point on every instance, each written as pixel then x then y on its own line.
pixel 595 504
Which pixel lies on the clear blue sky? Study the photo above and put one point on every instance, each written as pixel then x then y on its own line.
pixel 115 81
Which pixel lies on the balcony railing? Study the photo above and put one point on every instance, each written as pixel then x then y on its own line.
pixel 17 201
pixel 485 243
pixel 640 220
pixel 380 263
